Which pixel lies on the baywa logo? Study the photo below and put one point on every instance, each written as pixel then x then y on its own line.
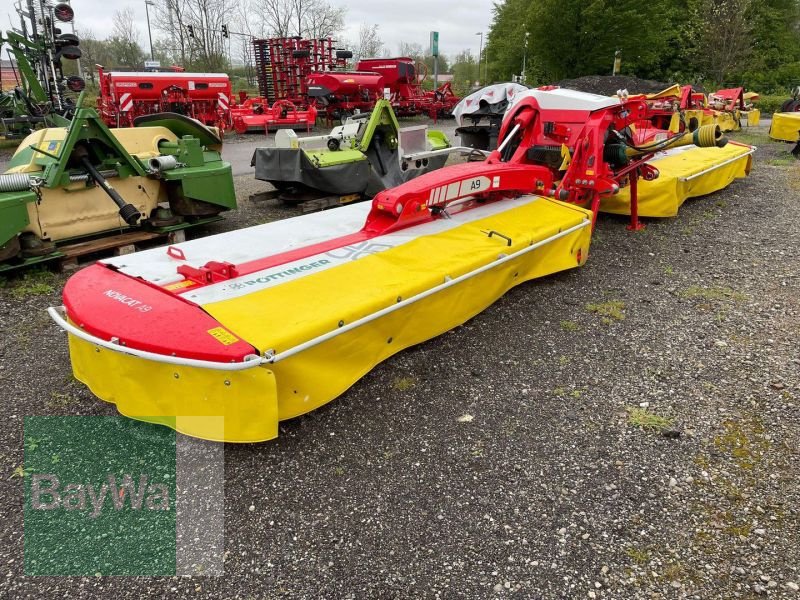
pixel 48 493
pixel 91 480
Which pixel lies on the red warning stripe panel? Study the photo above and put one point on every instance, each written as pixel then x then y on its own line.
pixel 108 304
pixel 125 102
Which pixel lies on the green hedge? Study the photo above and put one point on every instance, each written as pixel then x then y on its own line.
pixel 771 103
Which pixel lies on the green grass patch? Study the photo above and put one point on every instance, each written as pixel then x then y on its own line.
pixel 749 137
pixel 569 326
pixel 402 384
pixel 612 310
pixel 784 159
pixel 8 144
pixel 33 283
pixel 644 419
pixel 713 293
pixel 637 555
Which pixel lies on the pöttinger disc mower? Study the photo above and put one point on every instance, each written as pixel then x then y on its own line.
pixel 267 323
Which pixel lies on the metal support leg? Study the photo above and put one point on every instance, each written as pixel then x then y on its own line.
pixel 634 225
pixel 595 208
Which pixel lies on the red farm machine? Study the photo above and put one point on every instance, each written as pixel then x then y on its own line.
pixel 574 147
pixel 399 80
pixel 299 79
pixel 283 66
pixel 124 96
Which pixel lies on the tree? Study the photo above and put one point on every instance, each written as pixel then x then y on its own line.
pixel 722 36
pixel 276 16
pixel 208 49
pixel 168 18
pixel 253 27
pixel 570 38
pixel 94 52
pixel 316 18
pixel 412 50
pixel 369 42
pixel 725 41
pixel 124 41
pixel 323 20
pixel 465 72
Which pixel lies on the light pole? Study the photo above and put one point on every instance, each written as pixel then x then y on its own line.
pixel 149 34
pixel 480 56
pixel 525 57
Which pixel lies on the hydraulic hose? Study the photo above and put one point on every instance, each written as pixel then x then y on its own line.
pixel 706 136
pixel 128 212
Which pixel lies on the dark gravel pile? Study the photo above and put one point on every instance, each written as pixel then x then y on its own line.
pixel 607 85
pixel 626 430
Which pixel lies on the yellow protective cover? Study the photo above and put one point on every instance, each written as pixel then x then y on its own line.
pixel 674 91
pixel 701 116
pixel 785 127
pixel 178 396
pixel 728 121
pixel 687 174
pixel 281 317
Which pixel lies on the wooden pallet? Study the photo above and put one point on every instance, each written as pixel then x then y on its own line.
pixel 73 255
pixel 318 204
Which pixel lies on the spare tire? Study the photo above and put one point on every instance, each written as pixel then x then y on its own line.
pixel 63 12
pixel 67 39
pixel 75 83
pixel 68 52
pixel 344 54
pixel 301 53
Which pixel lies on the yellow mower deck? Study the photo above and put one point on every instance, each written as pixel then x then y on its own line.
pixel 328 328
pixel 785 127
pixel 684 173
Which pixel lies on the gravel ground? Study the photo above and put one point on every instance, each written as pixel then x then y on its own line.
pixel 633 432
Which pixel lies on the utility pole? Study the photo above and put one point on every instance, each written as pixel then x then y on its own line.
pixel 435 54
pixel 148 3
pixel 480 56
pixel 525 57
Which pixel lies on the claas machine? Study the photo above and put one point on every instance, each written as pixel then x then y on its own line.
pixel 354 161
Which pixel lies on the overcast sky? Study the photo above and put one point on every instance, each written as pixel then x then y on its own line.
pixel 410 21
